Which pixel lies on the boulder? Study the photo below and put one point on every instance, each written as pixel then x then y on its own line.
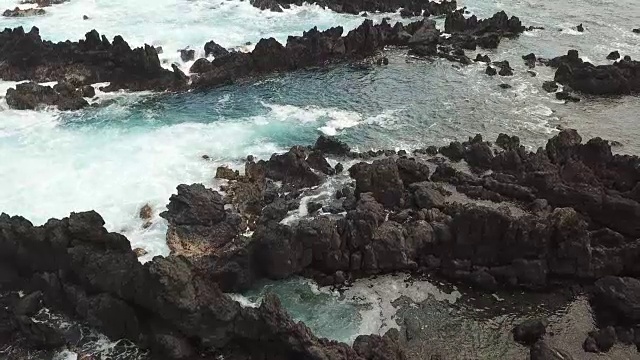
pixel 620 295
pixel 382 179
pixel 331 145
pixel 215 50
pixel 187 54
pixel 426 196
pixel 530 332
pixel 614 55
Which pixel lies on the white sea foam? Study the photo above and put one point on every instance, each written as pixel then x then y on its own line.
pixel 333 120
pixel 50 169
pixel 381 292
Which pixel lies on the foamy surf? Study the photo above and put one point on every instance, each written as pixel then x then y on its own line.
pixel 366 307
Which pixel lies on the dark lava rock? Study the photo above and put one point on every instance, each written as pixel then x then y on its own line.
pixel 483 58
pixel 530 331
pixel 580 28
pixel 201 66
pixel 331 145
pixel 381 178
pixel 550 86
pixel 187 54
pixel 25 56
pixel 614 55
pixel 211 48
pixel 637 31
pixel 505 86
pixel 17 12
pixel 491 71
pixel 567 96
pixel 601 340
pixel 31 95
pixel 620 295
pixel 313 206
pixel 505 68
pixel 316 160
pixel 271 5
pixel 508 142
pixel 529 60
pixel 85 17
pixel 454 151
pixel 619 78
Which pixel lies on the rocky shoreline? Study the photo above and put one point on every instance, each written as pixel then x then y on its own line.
pixel 492 216
pixel 25 56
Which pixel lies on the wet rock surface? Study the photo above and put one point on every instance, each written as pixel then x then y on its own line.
pixel 29 96
pixel 25 56
pixel 618 78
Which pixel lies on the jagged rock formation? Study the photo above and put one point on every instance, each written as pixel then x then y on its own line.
pixel 25 56
pixel 619 78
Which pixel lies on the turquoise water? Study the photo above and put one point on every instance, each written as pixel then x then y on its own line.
pixel 136 148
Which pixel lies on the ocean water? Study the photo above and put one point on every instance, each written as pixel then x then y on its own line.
pixel 137 147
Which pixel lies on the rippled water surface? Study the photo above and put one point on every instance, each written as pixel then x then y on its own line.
pixel 139 147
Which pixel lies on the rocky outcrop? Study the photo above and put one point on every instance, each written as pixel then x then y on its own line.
pixel 63 95
pixel 331 145
pixel 208 236
pixel 25 56
pixel 43 3
pixel 17 12
pixel 619 78
pixel 484 33
pixel 311 49
pixel 573 195
pixel 410 7
pixel 316 48
pixel 215 50
pixel 164 305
